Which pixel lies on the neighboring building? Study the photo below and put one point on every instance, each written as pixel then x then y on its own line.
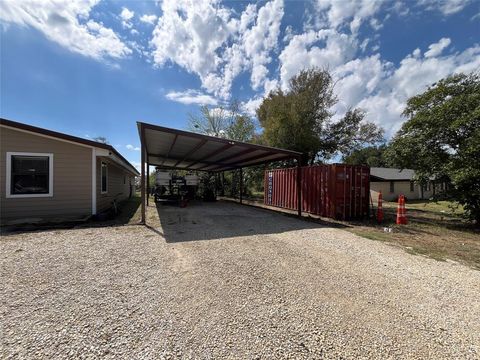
pixel 47 175
pixel 394 182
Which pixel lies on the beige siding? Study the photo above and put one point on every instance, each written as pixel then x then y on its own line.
pixel 116 188
pixel 72 184
pixel 429 191
pixel 400 187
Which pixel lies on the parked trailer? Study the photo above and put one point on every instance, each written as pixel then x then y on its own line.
pixel 172 188
pixel 336 191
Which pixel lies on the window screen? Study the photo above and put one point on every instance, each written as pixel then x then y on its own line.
pixel 392 186
pixel 29 174
pixel 104 177
pixel 411 186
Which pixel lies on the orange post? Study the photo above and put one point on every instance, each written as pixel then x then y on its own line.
pixel 401 212
pixel 380 208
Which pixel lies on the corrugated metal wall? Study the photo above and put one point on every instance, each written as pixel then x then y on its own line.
pixel 337 191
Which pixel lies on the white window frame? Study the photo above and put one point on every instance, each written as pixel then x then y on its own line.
pixel 106 177
pixel 8 182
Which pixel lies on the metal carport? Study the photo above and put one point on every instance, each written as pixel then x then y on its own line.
pixel 179 149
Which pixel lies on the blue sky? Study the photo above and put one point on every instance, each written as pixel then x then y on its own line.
pixel 93 68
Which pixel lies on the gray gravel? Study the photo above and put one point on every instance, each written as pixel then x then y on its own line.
pixel 226 281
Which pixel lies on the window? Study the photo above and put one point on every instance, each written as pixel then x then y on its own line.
pixel 392 187
pixel 29 174
pixel 124 179
pixel 104 174
pixel 412 186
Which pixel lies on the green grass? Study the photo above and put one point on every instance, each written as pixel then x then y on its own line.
pixel 434 208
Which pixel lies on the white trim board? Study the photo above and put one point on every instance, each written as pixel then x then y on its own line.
pixel 8 175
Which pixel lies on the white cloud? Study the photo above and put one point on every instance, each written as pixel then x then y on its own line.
pixel 261 38
pixel 211 41
pixel 190 34
pixel 66 23
pixel 337 13
pixel 382 90
pixel 437 48
pixel 324 48
pixel 131 147
pixel 446 7
pixel 251 106
pixel 189 97
pixel 149 19
pixel 127 15
pixel 370 83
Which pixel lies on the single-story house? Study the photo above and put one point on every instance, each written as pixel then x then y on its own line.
pixel 47 175
pixel 394 182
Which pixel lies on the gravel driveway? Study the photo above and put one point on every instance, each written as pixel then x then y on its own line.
pixel 227 281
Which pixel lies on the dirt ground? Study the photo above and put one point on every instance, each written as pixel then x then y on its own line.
pixel 220 280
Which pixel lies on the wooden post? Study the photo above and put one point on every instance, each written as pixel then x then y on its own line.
pixel 241 185
pixel 299 187
pixel 142 172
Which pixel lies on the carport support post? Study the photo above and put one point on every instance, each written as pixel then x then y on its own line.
pixel 148 182
pixel 142 172
pixel 241 185
pixel 299 187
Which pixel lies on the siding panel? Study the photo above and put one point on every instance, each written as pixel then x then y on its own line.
pixel 116 189
pixel 72 183
pixel 400 187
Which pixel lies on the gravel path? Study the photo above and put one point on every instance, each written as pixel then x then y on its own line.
pixel 227 281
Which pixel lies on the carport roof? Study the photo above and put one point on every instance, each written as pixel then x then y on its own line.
pixel 172 148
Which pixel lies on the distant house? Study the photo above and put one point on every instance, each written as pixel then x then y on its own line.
pixel 394 182
pixel 48 175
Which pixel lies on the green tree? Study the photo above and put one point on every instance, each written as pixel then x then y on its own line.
pixel 441 138
pixel 372 156
pixel 301 119
pixel 227 122
pixel 101 139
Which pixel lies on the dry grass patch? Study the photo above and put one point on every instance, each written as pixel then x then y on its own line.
pixel 435 229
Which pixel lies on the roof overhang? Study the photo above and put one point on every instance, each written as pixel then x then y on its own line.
pixel 178 149
pixel 103 149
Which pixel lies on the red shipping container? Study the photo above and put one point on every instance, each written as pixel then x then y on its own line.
pixel 336 191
